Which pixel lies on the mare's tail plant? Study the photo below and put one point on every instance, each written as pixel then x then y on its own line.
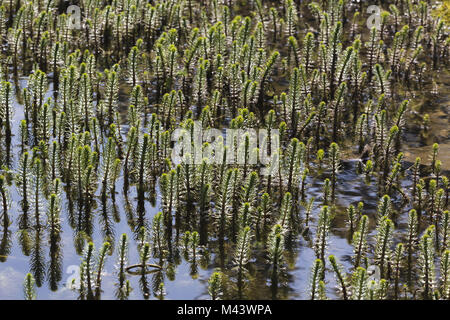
pixel 322 234
pixel 426 263
pixel 215 285
pixel 276 246
pixel 242 256
pixel 29 289
pixel 340 277
pixel 121 265
pixel 315 281
pixel 383 252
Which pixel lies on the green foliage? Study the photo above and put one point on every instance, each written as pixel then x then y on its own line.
pixel 322 234
pixel 360 240
pixel 340 276
pixel 275 248
pixel 215 285
pixel 426 263
pixel 86 109
pixel 29 287
pixel 383 252
pixel 316 275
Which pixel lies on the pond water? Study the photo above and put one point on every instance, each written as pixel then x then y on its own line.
pixel 352 189
pixel 188 281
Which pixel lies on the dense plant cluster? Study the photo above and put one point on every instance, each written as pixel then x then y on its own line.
pixel 86 122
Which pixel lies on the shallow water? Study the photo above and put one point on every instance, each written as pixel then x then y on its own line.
pixel 352 188
pixel 437 105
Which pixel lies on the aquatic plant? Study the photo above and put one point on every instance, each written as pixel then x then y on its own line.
pixel 413 227
pixel 444 274
pixel 354 215
pixel 224 204
pixel 54 221
pixel 316 275
pixel 91 269
pixel 144 256
pixel 359 284
pixel 29 287
pixel 359 240
pixel 444 230
pixel 322 233
pixel 286 213
pixel 214 285
pixel 100 266
pixel 384 207
pixel 6 110
pixel 340 276
pixel 241 256
pixel 86 273
pixel 275 248
pixel 158 236
pixel 426 262
pixel 377 290
pixel 264 215
pixel 121 265
pixel 397 267
pixel 5 200
pixel 128 113
pixel 383 252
